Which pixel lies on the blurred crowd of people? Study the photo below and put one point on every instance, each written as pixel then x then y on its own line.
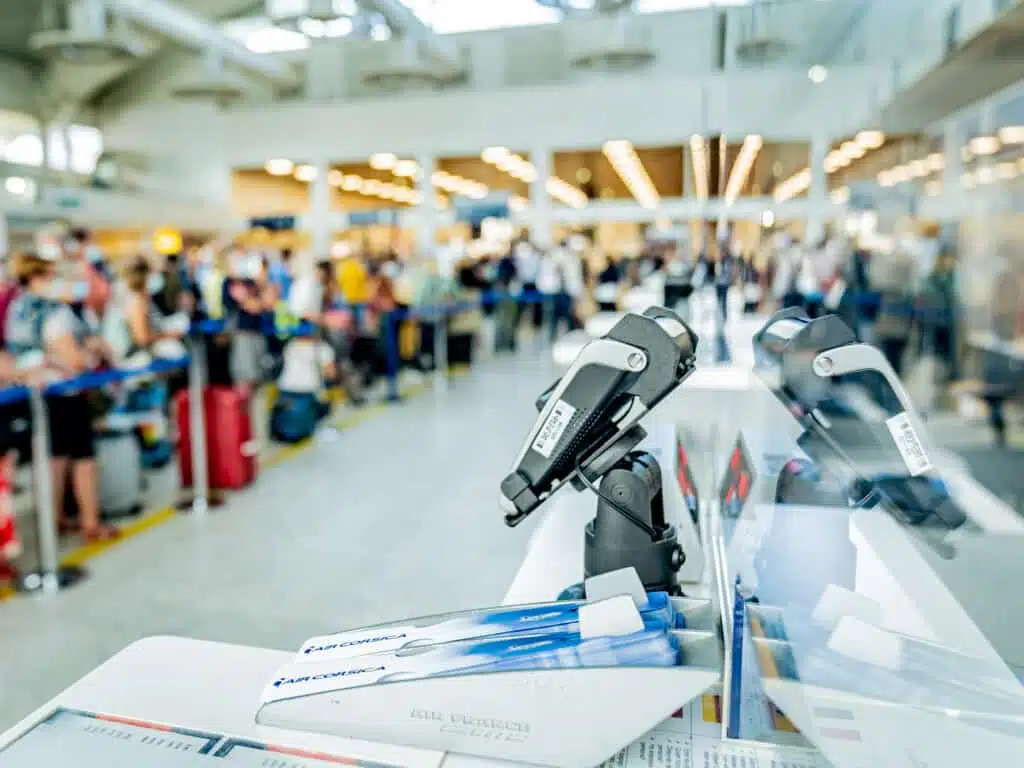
pixel 313 324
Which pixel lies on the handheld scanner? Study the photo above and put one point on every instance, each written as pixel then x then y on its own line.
pixel 848 397
pixel 614 381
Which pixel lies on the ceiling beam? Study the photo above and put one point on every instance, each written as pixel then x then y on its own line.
pixel 441 51
pixel 193 31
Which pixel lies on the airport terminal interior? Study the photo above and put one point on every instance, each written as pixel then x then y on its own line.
pixel 482 383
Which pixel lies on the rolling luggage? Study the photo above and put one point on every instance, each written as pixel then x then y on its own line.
pixel 121 483
pixel 231 463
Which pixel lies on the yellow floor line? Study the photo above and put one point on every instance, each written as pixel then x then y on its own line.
pixel 79 556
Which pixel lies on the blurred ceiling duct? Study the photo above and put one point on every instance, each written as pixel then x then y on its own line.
pixel 762 32
pixel 608 43
pixel 82 32
pixel 401 66
pixel 314 18
pixel 428 49
pixel 215 84
pixel 167 20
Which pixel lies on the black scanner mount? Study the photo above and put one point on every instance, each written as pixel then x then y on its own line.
pixel 586 433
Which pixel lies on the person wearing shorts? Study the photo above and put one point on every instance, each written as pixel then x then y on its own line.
pixel 39 324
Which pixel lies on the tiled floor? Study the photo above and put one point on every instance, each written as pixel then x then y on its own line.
pixel 395 516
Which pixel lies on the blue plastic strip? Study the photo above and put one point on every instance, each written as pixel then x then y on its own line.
pixel 93 380
pixel 736 673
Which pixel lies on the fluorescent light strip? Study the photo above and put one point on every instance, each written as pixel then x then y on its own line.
pixel 699 151
pixel 742 167
pixel 626 162
pixel 800 182
pixel 520 168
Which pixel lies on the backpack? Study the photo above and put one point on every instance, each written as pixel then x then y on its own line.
pixel 25 318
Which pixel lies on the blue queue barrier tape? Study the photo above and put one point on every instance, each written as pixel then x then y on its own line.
pixel 92 380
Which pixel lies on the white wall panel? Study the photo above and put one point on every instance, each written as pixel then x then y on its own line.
pixel 651 112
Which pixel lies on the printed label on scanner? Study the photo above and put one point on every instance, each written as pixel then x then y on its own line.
pixel 553 428
pixel 909 444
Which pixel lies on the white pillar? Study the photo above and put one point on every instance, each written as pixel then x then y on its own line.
pixel 320 210
pixel 952 149
pixel 817 195
pixel 541 209
pixel 426 238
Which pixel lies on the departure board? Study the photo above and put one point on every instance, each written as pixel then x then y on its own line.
pixel 76 739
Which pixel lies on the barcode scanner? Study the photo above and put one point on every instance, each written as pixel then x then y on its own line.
pixel 587 428
pixel 858 419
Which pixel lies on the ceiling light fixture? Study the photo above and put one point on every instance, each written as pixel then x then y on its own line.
pixel 406 169
pixel 383 161
pixel 335 177
pixel 817 74
pixel 870 139
pixel 935 162
pixel 352 183
pixel 1012 134
pixel 492 155
pixel 279 167
pixel 626 162
pixel 305 173
pixel 742 167
pixel 984 145
pixel 565 192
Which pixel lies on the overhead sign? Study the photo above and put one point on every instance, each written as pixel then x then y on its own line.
pixel 273 223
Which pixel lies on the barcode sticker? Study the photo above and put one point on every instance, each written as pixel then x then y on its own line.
pixel 555 424
pixel 909 444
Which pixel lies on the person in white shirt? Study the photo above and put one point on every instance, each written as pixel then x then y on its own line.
pixel 560 280
pixel 528 263
pixel 308 363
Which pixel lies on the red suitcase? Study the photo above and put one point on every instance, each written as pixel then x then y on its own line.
pixel 230 460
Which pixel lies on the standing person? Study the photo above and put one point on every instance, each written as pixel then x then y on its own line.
pixel 527 257
pixel 937 306
pixel 725 276
pixel 551 287
pixel 354 285
pixel 609 285
pixel 38 322
pixel 892 275
pixel 246 299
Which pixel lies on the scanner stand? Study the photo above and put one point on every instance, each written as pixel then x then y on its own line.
pixel 629 528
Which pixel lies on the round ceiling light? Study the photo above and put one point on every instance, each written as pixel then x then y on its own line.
pixel 314 18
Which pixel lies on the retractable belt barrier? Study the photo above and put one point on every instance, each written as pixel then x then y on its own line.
pixel 50 575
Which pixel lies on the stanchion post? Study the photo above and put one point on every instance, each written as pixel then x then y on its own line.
pixel 202 497
pixel 50 577
pixel 392 357
pixel 197 428
pixel 441 350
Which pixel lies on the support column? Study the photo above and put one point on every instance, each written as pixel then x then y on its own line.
pixel 541 208
pixel 320 210
pixel 817 195
pixel 952 149
pixel 426 237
